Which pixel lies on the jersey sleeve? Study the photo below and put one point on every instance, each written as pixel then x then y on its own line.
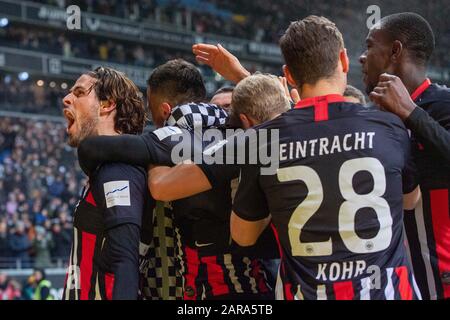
pixel 433 128
pixel 120 256
pixel 161 142
pixel 122 191
pixel 94 151
pixel 250 202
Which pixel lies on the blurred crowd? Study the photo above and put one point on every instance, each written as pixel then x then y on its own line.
pixel 266 20
pixel 29 97
pixel 34 287
pixel 40 182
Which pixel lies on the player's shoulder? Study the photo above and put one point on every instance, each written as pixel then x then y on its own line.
pixel 117 170
pixel 436 98
pixel 163 133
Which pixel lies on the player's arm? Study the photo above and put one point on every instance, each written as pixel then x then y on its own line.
pixel 221 61
pixel 182 181
pixel 121 190
pixel 250 214
pixel 391 94
pixel 245 232
pixel 430 130
pixel 94 151
pixel 410 200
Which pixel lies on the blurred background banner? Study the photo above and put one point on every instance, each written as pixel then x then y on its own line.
pixel 40 58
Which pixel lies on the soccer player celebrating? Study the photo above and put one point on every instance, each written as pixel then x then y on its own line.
pixel 336 199
pixel 395 67
pixel 107 220
pixel 211 267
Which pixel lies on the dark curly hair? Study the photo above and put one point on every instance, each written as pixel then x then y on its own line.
pixel 112 85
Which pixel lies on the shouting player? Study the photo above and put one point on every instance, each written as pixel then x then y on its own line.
pixel 401 45
pixel 336 200
pixel 104 262
pixel 211 267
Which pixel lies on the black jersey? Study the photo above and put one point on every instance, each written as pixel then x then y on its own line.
pixel 335 201
pixel 428 226
pixel 104 261
pixel 211 264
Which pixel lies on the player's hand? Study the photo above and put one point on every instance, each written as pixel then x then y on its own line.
pixel 392 95
pixel 292 95
pixel 221 61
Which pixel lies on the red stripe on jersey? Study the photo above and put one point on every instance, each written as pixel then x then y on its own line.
pixel 440 217
pixel 90 199
pixel 109 285
pixel 193 263
pixel 321 110
pixel 288 292
pixel 256 274
pixel 309 102
pixel 320 105
pixel 421 89
pixel 287 286
pixel 343 290
pixel 216 278
pixel 277 239
pixel 404 287
pixel 87 254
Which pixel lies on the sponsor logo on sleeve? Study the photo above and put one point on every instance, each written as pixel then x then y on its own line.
pixel 117 193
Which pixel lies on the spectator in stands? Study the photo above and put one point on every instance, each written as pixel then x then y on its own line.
pixel 42 286
pixel 62 238
pixel 42 245
pixel 13 291
pixel 3 284
pixel 4 241
pixel 20 244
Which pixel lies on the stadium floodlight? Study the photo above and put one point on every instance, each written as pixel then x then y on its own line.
pixel 23 76
pixel 64 86
pixel 52 84
pixel 4 22
pixel 40 83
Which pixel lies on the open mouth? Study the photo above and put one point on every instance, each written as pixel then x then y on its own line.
pixel 70 119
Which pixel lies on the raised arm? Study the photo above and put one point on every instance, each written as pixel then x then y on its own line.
pixel 220 60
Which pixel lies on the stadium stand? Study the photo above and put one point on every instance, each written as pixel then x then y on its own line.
pixel 39 176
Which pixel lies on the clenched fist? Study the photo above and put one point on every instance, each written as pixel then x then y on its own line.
pixel 392 95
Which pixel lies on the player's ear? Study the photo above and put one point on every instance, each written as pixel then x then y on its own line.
pixel 107 106
pixel 397 50
pixel 345 62
pixel 246 121
pixel 289 76
pixel 166 109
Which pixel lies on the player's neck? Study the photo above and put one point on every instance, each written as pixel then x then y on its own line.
pixel 321 88
pixel 105 129
pixel 413 77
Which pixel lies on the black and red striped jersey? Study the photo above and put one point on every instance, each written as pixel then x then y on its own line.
pixel 212 266
pixel 428 226
pixel 104 260
pixel 335 201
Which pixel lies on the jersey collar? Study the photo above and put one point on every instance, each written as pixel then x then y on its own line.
pixel 309 102
pixel 320 105
pixel 421 89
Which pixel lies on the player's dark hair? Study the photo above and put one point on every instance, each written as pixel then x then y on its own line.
pixel 112 85
pixel 178 81
pixel 311 49
pixel 413 31
pixel 351 91
pixel 224 89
